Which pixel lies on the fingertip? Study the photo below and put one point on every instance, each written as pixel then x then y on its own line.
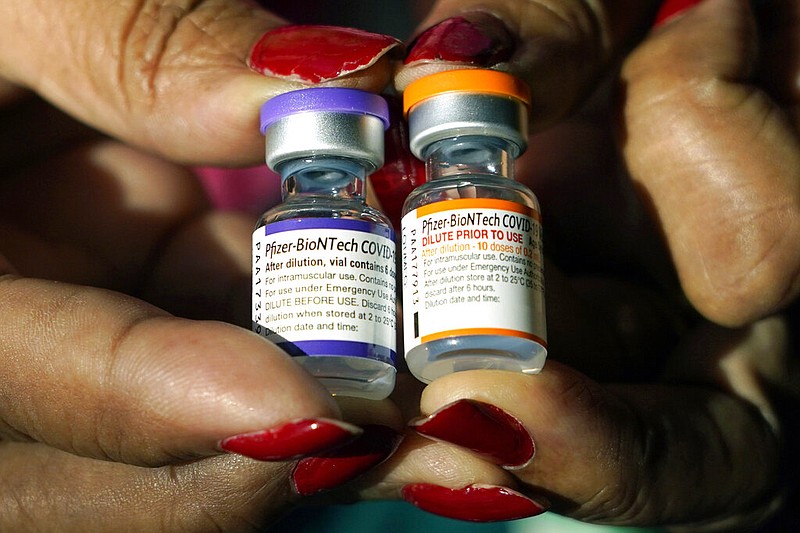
pixel 283 58
pixel 292 440
pixel 560 48
pixel 473 39
pixel 534 400
pixel 318 54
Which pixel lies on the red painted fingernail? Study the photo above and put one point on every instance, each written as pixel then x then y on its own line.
pixel 313 54
pixel 293 440
pixel 482 428
pixel 671 9
pixel 477 39
pixel 401 172
pixel 329 470
pixel 475 503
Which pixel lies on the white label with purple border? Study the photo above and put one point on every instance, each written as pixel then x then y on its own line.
pixel 326 286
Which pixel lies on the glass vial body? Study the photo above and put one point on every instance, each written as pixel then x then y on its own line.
pixel 324 261
pixel 473 284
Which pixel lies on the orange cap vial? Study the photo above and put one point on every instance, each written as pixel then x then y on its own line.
pixel 464 102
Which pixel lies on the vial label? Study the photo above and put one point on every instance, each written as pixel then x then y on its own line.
pixel 472 267
pixel 326 287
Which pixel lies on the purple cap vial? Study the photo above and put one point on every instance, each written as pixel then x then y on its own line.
pixel 325 121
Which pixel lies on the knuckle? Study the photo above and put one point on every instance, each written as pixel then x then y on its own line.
pixel 144 42
pixel 755 272
pixel 159 37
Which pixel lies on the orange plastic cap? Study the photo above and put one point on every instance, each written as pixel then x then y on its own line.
pixel 476 81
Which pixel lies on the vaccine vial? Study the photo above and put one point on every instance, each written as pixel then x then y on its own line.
pixel 323 261
pixel 473 284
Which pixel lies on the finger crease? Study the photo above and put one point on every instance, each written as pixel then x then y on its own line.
pixel 145 41
pixel 108 412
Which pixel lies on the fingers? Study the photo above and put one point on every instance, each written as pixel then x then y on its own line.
pixel 102 375
pixel 618 457
pixel 717 160
pixel 560 47
pixel 44 488
pixel 167 78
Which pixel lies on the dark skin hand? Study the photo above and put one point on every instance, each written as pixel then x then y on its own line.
pixel 679 416
pixel 114 407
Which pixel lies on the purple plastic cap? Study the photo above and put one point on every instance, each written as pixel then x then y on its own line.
pixel 331 99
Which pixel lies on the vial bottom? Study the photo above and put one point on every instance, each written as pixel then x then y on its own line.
pixel 434 359
pixel 351 376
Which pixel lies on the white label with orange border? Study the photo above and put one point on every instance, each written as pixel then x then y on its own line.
pixel 472 267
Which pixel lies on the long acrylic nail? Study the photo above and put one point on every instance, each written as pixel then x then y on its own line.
pixel 474 503
pixel 482 428
pixel 313 54
pixel 296 439
pixel 476 39
pixel 329 470
pixel 671 9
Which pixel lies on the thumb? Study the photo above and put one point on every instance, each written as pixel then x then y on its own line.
pixel 103 375
pixel 174 79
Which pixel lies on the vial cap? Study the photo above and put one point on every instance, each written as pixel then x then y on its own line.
pixel 323 99
pixel 325 122
pixel 467 102
pixel 475 81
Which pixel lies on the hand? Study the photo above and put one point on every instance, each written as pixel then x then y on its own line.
pixel 677 418
pixel 112 407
